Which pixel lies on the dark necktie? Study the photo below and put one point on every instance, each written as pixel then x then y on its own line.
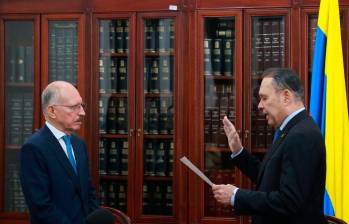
pixel 276 135
pixel 68 145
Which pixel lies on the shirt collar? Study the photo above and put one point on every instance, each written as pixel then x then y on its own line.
pixel 289 117
pixel 57 133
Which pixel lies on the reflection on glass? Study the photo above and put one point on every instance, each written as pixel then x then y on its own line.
pixel 113 112
pixel 218 67
pixel 63 51
pixel 19 88
pixel 268 50
pixel 158 145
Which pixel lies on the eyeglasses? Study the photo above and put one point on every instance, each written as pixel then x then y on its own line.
pixel 76 107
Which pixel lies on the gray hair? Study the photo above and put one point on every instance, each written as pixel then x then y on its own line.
pixel 49 96
pixel 284 78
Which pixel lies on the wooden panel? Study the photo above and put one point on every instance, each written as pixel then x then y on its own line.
pixel 304 44
pixel 39 6
pixel 317 2
pixel 132 5
pixel 2 111
pixel 205 4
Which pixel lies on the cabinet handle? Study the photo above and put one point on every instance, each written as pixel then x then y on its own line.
pixel 246 133
pixel 131 132
pixel 139 132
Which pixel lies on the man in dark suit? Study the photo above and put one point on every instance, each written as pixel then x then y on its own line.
pixel 290 181
pixel 54 169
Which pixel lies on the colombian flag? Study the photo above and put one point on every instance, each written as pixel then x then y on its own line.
pixel 328 107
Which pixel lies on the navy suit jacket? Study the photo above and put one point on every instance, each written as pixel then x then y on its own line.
pixel 290 181
pixel 54 193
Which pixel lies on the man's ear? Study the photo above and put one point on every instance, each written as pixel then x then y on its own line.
pixel 287 96
pixel 51 112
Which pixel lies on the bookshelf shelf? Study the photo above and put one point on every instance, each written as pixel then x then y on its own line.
pixel 158 54
pixel 113 177
pixel 109 54
pixel 109 94
pixel 113 135
pixel 158 95
pixel 20 85
pixel 157 178
pixel 218 77
pixel 158 136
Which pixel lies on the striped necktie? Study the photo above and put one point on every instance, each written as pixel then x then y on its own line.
pixel 68 145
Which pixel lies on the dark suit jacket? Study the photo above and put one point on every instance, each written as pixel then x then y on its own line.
pixel 54 193
pixel 290 181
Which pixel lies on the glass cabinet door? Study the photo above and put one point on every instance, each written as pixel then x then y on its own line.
pixel 158 115
pixel 219 101
pixel 62 50
pixel 19 106
pixel 267 50
pixel 113 59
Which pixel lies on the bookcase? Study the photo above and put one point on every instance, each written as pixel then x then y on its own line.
pixel 22 82
pixel 136 63
pixel 158 77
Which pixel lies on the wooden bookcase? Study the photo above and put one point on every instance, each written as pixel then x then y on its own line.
pixel 157 77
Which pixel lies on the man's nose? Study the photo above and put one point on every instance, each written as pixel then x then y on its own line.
pixel 82 111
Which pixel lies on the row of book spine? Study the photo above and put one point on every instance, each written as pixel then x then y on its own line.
pixel 63 52
pixel 159 35
pixel 158 73
pixel 113 156
pixel 212 207
pixel 157 198
pixel 19 122
pixel 114 36
pixel 113 194
pixel 14 198
pixel 158 116
pixel 268 44
pixel 158 157
pixel 219 46
pixel 219 102
pixel 219 57
pixel 112 75
pixel 113 115
pixel 19 64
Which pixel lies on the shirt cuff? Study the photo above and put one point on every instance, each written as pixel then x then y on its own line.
pixel 232 199
pixel 233 155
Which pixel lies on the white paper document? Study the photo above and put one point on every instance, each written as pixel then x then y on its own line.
pixel 191 166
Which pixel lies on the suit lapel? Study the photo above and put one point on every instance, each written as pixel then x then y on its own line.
pixel 61 156
pixel 274 147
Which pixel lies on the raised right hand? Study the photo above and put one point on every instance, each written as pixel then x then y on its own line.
pixel 232 135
